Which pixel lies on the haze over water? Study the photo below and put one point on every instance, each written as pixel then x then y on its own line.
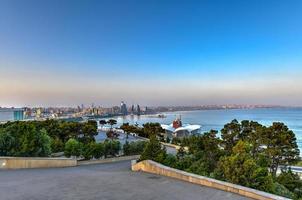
pixel 215 119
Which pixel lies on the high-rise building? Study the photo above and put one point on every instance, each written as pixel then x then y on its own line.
pixel 132 109
pixel 11 114
pixel 138 109
pixel 124 108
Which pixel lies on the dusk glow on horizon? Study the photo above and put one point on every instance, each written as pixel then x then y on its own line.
pixel 65 53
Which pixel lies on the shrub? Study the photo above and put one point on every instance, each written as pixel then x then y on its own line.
pixel 98 150
pixel 88 150
pixel 57 145
pixel 134 148
pixel 24 139
pixel 111 148
pixel 154 151
pixel 72 148
pixel 280 190
pixel 291 181
pixel 6 143
pixel 44 144
pixel 170 161
pixel 240 168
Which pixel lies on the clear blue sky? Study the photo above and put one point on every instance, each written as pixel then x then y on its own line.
pixel 60 52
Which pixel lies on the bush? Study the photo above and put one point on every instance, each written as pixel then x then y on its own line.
pixel 98 150
pixel 280 190
pixel 240 168
pixel 88 150
pixel 170 161
pixel 154 151
pixel 72 148
pixel 44 144
pixel 111 148
pixel 24 139
pixel 291 181
pixel 134 148
pixel 57 145
pixel 199 167
pixel 7 143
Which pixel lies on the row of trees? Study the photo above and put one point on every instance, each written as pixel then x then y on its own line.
pixel 40 138
pixel 247 153
pixel 147 130
pixel 108 148
pixel 92 149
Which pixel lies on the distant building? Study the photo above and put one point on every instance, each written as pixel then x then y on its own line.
pixel 124 108
pixel 138 110
pixel 11 114
pixel 132 109
pixel 177 129
pixel 39 113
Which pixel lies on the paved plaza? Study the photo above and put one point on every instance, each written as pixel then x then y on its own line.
pixel 112 181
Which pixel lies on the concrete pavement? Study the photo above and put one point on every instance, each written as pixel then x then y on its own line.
pixel 112 181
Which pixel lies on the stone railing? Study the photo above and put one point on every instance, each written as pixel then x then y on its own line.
pixel 156 168
pixel 36 162
pixel 44 162
pixel 108 160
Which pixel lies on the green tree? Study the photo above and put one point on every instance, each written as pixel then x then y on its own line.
pixel 98 150
pixel 153 151
pixel 111 122
pixel 281 146
pixel 102 122
pixel 291 181
pixel 206 151
pixel 24 139
pixel 111 148
pixel 127 129
pixel 152 129
pixel 230 135
pixel 134 148
pixel 240 168
pixel 7 143
pixel 87 132
pixel 181 152
pixel 126 149
pixel 73 148
pixel 44 142
pixel 57 145
pixel 280 190
pixel 88 150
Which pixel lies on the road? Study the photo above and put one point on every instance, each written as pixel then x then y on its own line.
pixel 112 181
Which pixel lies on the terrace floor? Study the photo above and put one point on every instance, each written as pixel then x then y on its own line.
pixel 112 181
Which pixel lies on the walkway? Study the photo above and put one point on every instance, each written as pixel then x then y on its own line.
pixel 113 181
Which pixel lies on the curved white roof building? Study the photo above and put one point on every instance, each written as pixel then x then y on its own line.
pixel 180 130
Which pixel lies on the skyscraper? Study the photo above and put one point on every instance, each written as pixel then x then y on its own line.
pixel 124 108
pixel 132 109
pixel 138 109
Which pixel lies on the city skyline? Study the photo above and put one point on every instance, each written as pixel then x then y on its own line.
pixel 65 53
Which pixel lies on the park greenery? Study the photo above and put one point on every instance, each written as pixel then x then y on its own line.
pixel 148 130
pixel 247 153
pixel 75 139
pixel 41 138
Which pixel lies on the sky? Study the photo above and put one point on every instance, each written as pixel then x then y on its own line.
pixel 65 53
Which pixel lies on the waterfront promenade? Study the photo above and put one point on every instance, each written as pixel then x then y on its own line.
pixel 111 181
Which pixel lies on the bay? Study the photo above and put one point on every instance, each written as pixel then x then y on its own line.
pixel 215 119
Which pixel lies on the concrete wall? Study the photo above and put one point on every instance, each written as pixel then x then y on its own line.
pixel 29 162
pixel 108 160
pixel 156 168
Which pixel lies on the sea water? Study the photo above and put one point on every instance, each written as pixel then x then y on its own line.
pixel 215 119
